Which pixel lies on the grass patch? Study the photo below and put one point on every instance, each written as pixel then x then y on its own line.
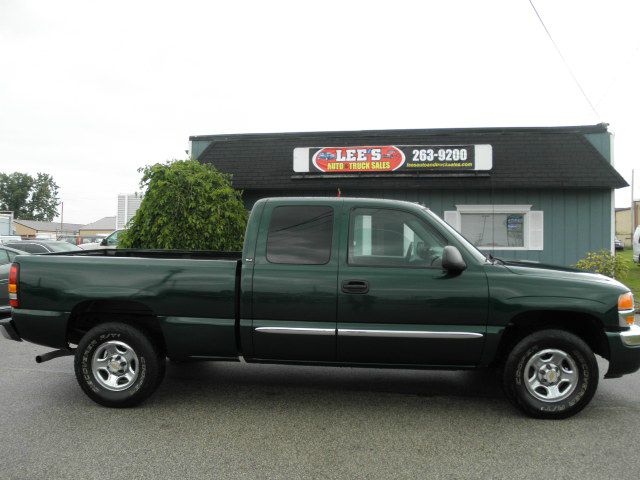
pixel 632 278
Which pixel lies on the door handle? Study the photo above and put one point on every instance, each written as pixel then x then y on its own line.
pixel 355 286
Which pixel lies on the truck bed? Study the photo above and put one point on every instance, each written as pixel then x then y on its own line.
pixel 192 294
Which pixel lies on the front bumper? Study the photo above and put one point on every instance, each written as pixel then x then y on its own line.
pixel 8 330
pixel 624 351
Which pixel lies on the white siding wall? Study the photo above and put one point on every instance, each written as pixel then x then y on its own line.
pixel 128 204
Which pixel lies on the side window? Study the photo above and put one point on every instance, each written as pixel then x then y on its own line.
pixel 30 248
pixel 4 257
pixel 113 238
pixel 392 238
pixel 300 234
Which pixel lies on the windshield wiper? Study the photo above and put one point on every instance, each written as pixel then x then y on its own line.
pixel 495 260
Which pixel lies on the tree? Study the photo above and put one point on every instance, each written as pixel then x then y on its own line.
pixel 186 205
pixel 604 263
pixel 30 198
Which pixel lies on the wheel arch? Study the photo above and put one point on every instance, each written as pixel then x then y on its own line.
pixel 90 313
pixel 587 327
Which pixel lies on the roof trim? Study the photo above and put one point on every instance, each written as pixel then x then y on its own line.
pixel 598 128
pixel 73 226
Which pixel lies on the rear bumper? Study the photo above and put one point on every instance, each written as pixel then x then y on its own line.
pixel 42 327
pixel 5 311
pixel 624 350
pixel 8 330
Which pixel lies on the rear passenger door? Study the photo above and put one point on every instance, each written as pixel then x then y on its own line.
pixel 295 282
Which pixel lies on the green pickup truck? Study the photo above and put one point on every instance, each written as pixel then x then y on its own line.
pixel 328 281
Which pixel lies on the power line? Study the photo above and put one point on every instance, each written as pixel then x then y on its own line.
pixel 566 64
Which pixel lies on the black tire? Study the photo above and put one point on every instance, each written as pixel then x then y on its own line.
pixel 517 388
pixel 149 365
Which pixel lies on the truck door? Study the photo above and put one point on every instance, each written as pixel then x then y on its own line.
pixel 395 303
pixel 295 282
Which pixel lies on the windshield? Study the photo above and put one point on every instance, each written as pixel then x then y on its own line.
pixel 477 254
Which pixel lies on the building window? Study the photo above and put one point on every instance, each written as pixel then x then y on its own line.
pixel 493 229
pixel 300 235
pixel 499 227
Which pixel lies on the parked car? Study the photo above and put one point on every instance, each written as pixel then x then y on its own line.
pixel 72 239
pixel 636 245
pixel 85 239
pixel 618 244
pixel 110 241
pixel 10 238
pixel 81 240
pixel 42 246
pixel 7 256
pixel 329 281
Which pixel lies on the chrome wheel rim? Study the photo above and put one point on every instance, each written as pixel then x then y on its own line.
pixel 115 365
pixel 551 375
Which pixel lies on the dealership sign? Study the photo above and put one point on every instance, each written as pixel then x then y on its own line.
pixel 392 159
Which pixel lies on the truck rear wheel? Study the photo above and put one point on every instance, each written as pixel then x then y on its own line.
pixel 118 365
pixel 551 374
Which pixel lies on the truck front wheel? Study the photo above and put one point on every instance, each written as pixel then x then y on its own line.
pixel 550 374
pixel 117 365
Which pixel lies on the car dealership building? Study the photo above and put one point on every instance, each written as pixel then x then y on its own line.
pixel 542 194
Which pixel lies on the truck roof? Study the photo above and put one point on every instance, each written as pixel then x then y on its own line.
pixel 336 200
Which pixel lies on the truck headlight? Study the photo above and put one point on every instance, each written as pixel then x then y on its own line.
pixel 626 310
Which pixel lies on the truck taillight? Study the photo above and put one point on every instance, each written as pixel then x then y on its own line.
pixel 13 285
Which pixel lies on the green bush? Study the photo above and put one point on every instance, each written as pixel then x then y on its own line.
pixel 603 262
pixel 187 205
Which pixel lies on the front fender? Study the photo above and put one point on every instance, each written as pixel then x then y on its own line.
pixel 509 308
pixel 503 312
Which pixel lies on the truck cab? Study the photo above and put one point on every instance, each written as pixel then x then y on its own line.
pixel 364 284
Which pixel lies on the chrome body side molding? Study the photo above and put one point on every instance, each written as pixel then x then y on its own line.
pixel 351 332
pixel 297 330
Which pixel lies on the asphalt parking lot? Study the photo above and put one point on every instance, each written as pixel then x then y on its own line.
pixel 212 420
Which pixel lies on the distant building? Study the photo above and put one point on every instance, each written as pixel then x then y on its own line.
pixel 39 229
pixel 128 204
pixel 104 226
pixel 6 222
pixel 624 223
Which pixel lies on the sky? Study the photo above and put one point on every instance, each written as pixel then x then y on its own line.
pixel 91 91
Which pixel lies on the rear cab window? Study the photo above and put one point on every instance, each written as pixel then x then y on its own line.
pixel 300 235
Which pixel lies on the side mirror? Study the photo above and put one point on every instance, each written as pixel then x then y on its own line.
pixel 103 243
pixel 452 260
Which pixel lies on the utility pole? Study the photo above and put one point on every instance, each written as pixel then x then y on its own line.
pixel 62 215
pixel 634 209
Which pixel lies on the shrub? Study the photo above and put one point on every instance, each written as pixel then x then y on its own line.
pixel 187 205
pixel 603 262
